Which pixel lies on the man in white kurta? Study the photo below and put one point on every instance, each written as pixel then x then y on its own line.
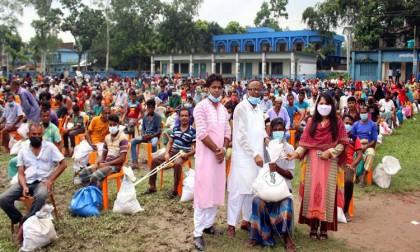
pixel 247 157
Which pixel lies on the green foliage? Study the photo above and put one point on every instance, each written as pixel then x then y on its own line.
pixel 14 46
pixel 264 18
pixel 371 19
pixel 234 27
pixel 83 23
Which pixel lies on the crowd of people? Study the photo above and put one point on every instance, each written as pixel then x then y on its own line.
pixel 336 125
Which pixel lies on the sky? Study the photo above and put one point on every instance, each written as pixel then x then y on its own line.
pixel 221 11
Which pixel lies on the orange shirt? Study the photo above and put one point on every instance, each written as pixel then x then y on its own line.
pixel 98 130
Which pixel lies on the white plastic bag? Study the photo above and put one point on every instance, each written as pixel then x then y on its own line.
pixel 38 230
pixel 380 138
pixel 340 215
pixel 391 165
pixel 126 202
pixel 188 186
pixel 270 186
pixel 23 130
pixel 415 109
pixel 275 150
pixel 15 146
pixel 12 141
pixel 82 152
pixel 380 177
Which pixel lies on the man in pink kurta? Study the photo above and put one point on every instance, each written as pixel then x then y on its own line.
pixel 212 121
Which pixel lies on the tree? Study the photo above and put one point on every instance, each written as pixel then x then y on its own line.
pixel 278 8
pixel 187 7
pixel 264 18
pixel 14 45
pixel 84 24
pixel 234 27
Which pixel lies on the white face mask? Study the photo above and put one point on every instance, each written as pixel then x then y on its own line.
pixel 346 93
pixel 113 130
pixel 324 110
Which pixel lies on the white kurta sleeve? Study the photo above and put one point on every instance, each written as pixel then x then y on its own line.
pixel 240 126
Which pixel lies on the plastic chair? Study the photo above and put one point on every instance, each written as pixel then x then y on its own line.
pixel 292 139
pixel 149 149
pixel 92 157
pixel 117 176
pixel 28 202
pixel 171 165
pixel 78 138
pixel 369 176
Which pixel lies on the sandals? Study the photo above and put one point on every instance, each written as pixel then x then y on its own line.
pixel 323 235
pixel 149 191
pixel 362 183
pixel 313 234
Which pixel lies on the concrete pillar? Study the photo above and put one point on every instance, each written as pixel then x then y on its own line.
pixel 263 67
pixel 191 66
pixel 237 66
pixel 270 69
pixel 152 66
pixel 292 65
pixel 213 64
pixel 171 66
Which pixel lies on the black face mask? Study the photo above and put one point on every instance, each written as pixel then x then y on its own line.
pixel 46 124
pixel 35 141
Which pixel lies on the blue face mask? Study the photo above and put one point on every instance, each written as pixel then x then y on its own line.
pixel 348 128
pixel 64 96
pixel 215 100
pixel 253 100
pixel 364 117
pixel 278 135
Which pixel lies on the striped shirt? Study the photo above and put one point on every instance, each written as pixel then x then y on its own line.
pixel 183 140
pixel 115 146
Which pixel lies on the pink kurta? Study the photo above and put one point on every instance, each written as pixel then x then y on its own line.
pixel 210 177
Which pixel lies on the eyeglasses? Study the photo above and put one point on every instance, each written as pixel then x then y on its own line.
pixel 255 90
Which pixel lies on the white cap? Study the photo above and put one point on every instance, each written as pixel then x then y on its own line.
pixel 279 99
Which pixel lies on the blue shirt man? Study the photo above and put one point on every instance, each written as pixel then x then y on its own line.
pixel 28 102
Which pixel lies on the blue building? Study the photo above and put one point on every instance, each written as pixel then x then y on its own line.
pixel 380 64
pixel 64 59
pixel 261 52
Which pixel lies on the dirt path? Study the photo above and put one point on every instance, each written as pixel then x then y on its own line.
pixel 382 223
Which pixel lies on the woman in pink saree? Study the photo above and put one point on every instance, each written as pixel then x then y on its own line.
pixel 323 142
pixel 213 137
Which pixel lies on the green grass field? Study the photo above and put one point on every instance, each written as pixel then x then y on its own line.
pixel 166 225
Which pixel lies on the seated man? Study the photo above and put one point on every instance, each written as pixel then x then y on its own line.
pixel 351 109
pixel 275 218
pixel 113 155
pixel 51 134
pixel 150 131
pixel 62 109
pixel 36 176
pixel 97 109
pixel 182 138
pixel 78 128
pixel 98 129
pixel 367 131
pixel 387 109
pixel 10 120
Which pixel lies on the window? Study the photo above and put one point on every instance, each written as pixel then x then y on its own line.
pixel 260 68
pixel 277 68
pixel 368 69
pixel 281 47
pixel 184 68
pixel 235 49
pixel 221 49
pixel 218 68
pixel 250 48
pixel 299 47
pixel 176 68
pixel 226 68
